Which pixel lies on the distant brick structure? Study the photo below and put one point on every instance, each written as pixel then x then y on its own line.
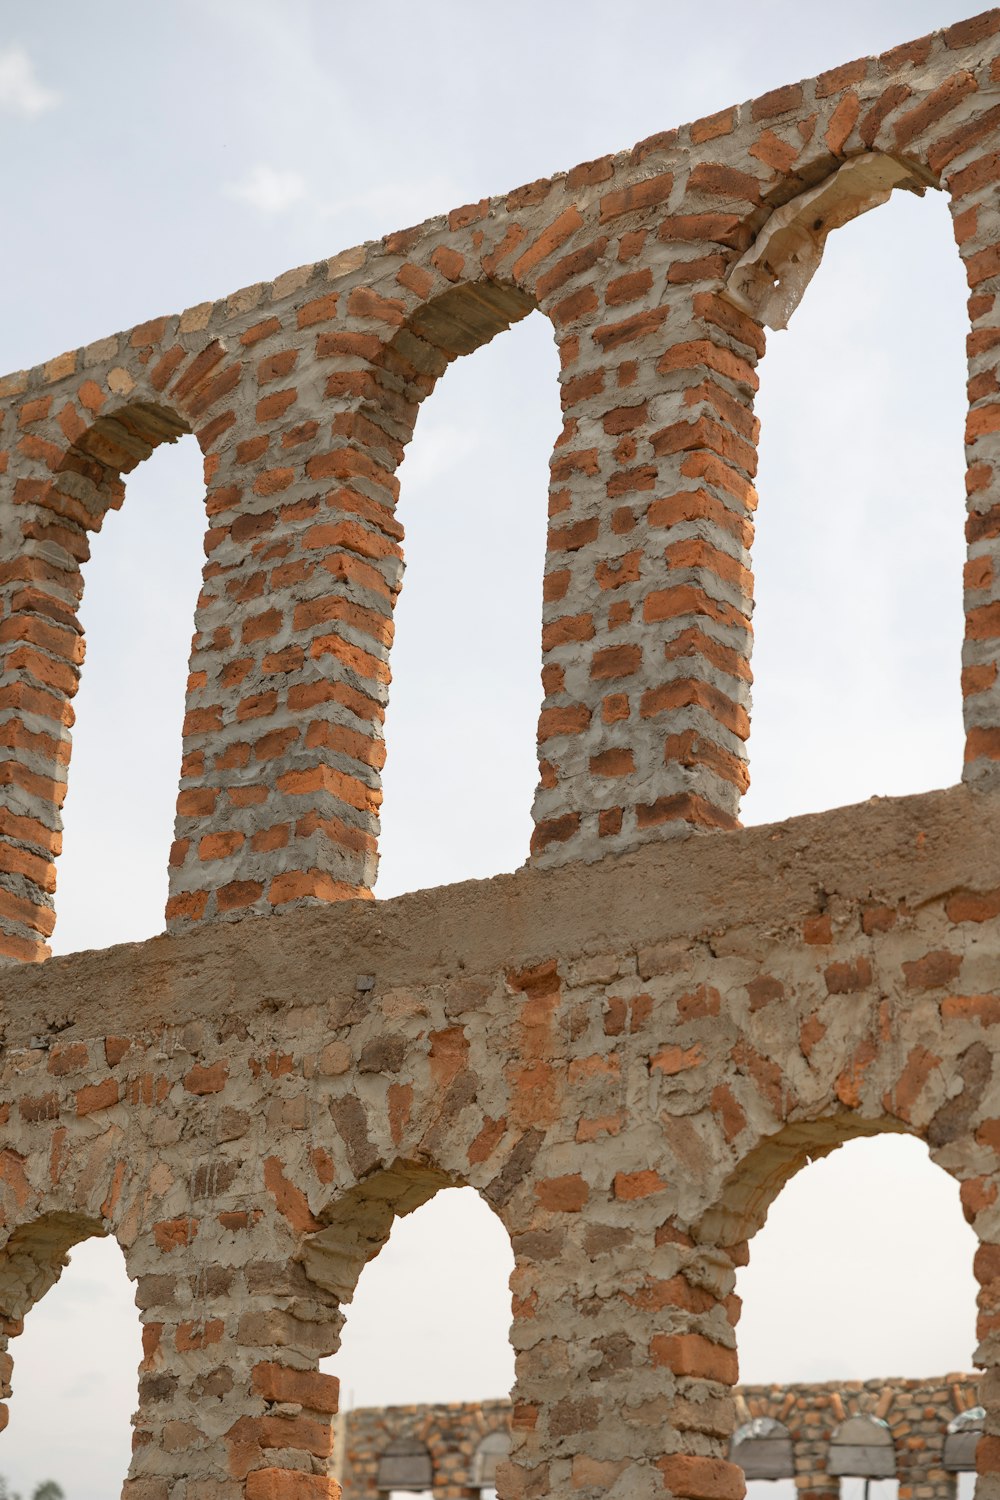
pixel 626 1057
pixel 917 1413
pixel 450 1433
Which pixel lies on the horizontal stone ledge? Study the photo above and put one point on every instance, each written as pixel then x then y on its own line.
pixel 914 849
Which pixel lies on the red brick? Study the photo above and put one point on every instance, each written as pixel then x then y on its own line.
pixel 637 196
pixel 875 117
pixel 616 661
pixel 701 1478
pixel 615 762
pixel 319 310
pixel 835 80
pixel 290 1484
pixel 611 336
pixel 364 302
pixel 307 1388
pixel 566 1195
pixel 777 102
pixel 691 1354
pixel 724 182
pixel 712 126
pixel 628 1186
pixel 207 1080
pixel 96 1096
pixel 551 238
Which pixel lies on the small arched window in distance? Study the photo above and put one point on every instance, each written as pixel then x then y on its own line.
pixel 763 1449
pixel 493 1449
pixel 962 1439
pixel 862 1451
pixel 404 1468
pixel 960 1444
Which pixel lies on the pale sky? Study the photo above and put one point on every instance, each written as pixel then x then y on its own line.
pixel 157 156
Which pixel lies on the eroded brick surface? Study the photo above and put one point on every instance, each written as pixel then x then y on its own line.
pixel 627 1060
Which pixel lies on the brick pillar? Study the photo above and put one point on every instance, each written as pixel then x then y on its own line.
pixel 646 634
pixel 281 784
pixel 9 1328
pixel 41 650
pixel 283 740
pixel 700 1352
pixel 231 1404
pixel 987 1356
pixel 640 1402
pixel 971 191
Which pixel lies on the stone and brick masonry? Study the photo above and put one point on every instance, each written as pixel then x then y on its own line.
pixel 628 1046
pixel 917 1414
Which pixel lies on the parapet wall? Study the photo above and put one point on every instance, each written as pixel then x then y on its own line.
pixel 627 1047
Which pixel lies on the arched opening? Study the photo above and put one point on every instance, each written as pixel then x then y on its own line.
pixel 75 1364
pixel 862 1455
pixel 64 506
pixel 106 428
pixel 855 1217
pixel 491 1452
pixel 423 1275
pixel 450 1338
pixel 405 1468
pixel 858 1308
pixel 960 1444
pixel 466 658
pixel 762 1446
pixel 860 549
pixel 137 613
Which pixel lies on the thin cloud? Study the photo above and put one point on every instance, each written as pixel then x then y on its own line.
pixel 406 202
pixel 268 190
pixel 21 93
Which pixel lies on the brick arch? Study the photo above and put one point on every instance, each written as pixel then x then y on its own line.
pixel 455 322
pixel 31 1262
pixel 442 331
pixel 647 600
pixel 770 278
pixel 853 169
pixel 740 1206
pixel 350 1232
pixel 306 543
pixel 970 192
pixel 358 1224
pixel 80 452
pixel 826 190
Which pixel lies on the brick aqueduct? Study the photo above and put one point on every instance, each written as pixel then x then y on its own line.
pixel 628 1046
